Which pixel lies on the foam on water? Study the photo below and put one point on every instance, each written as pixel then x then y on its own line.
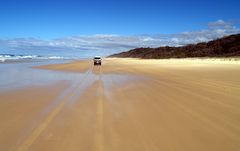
pixel 7 57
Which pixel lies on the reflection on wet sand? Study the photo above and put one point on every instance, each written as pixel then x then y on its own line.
pixel 125 105
pixel 97 70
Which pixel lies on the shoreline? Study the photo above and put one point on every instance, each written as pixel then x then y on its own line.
pixel 122 105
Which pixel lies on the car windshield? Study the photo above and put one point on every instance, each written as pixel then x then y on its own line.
pixel 97 58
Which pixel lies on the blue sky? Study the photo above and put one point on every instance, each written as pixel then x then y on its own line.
pixel 35 25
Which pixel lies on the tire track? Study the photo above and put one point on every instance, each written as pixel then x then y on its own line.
pixel 68 95
pixel 100 117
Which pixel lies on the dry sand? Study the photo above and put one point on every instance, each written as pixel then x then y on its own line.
pixel 128 105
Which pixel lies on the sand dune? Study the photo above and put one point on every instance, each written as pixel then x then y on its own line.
pixel 128 105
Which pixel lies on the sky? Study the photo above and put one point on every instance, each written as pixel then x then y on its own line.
pixel 82 28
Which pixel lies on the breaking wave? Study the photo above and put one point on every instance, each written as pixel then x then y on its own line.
pixel 7 57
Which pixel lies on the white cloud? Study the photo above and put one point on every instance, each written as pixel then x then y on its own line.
pixel 107 44
pixel 220 24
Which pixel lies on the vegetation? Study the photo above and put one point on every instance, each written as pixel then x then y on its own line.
pixel 224 47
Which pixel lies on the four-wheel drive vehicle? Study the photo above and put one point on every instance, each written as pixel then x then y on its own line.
pixel 97 60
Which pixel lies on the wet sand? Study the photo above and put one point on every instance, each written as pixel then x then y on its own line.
pixel 74 66
pixel 130 105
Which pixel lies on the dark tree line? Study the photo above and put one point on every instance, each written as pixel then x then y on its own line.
pixel 224 47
